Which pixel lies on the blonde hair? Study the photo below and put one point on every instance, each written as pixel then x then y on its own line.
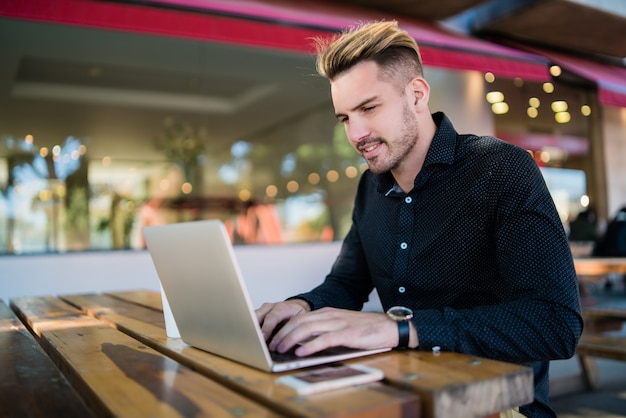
pixel 383 42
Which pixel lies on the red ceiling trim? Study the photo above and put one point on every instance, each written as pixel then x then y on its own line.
pixel 461 60
pixel 277 25
pixel 612 98
pixel 160 21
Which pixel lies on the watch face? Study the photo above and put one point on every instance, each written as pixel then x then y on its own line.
pixel 400 313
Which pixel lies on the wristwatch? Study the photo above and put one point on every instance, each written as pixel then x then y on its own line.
pixel 402 316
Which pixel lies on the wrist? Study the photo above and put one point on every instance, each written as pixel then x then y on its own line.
pixel 402 316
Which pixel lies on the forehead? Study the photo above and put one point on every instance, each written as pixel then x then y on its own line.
pixel 363 80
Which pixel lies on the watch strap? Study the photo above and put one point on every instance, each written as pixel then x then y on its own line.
pixel 403 334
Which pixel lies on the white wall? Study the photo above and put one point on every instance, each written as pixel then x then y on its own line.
pixel 271 272
pixel 461 95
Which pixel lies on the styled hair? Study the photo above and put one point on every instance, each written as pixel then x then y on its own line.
pixel 383 42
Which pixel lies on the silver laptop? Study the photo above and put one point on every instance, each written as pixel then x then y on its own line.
pixel 202 281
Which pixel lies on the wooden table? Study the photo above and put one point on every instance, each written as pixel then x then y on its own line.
pixel 599 266
pixel 596 270
pixel 116 360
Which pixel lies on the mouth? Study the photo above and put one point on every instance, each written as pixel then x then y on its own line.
pixel 370 148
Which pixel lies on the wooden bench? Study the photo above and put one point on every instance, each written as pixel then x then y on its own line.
pixel 30 384
pixel 595 342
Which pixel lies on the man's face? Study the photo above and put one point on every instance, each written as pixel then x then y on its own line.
pixel 378 116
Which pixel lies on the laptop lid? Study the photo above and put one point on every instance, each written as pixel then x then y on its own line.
pixel 199 273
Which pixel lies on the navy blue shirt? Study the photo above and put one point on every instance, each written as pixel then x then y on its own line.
pixel 476 249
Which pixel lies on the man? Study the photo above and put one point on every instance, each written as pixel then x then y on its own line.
pixel 457 233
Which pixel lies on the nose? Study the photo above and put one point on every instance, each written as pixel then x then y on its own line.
pixel 356 131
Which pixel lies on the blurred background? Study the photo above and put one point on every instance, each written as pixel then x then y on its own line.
pixel 120 114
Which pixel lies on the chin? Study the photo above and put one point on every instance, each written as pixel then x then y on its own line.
pixel 377 170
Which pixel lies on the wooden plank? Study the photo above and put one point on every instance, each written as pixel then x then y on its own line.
pixel 605 318
pixel 30 384
pixel 366 400
pixel 589 368
pixel 606 312
pixel 450 384
pixel 140 297
pixel 598 266
pixel 119 376
pixel 454 384
pixel 605 346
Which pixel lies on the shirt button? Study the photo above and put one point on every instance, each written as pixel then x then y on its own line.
pixel 401 289
pixel 404 245
pixel 408 199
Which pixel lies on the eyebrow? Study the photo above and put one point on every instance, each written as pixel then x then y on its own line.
pixel 358 106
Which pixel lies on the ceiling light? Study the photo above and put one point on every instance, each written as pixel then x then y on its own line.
pixel 534 102
pixel 186 188
pixel 584 201
pixel 245 195
pixel 555 70
pixel 559 106
pixel 585 110
pixel 495 97
pixel 500 108
pixel 548 87
pixel 271 190
pixel 532 112
pixel 562 117
pixel 490 78
pixel 293 186
pixel 351 172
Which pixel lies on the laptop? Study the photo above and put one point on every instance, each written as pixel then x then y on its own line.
pixel 208 298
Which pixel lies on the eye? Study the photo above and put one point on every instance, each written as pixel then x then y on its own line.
pixel 368 108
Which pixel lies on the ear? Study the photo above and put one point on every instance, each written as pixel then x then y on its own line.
pixel 421 93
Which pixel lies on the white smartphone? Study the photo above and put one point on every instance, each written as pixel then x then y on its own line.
pixel 331 377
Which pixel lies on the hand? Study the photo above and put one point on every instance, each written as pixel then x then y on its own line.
pixel 272 315
pixel 331 327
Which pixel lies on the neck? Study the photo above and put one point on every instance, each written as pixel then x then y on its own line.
pixel 411 166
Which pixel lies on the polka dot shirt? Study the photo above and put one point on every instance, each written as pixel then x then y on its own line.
pixel 476 249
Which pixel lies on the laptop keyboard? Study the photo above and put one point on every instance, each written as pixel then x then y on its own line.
pixel 291 354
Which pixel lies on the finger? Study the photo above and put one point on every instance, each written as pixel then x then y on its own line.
pixel 271 324
pixel 277 316
pixel 268 318
pixel 300 330
pixel 262 311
